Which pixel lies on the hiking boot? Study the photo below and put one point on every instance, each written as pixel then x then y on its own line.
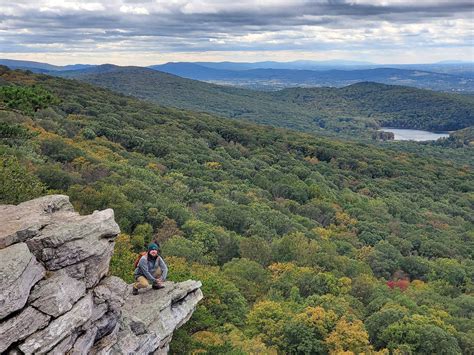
pixel 135 291
pixel 157 286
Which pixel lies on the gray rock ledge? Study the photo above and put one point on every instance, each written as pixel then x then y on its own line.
pixel 56 297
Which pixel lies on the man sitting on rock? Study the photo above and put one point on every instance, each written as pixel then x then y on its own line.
pixel 148 270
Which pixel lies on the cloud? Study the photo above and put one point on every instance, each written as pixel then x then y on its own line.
pixel 199 26
pixel 58 6
pixel 134 10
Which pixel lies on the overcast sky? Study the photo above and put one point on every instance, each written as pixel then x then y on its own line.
pixel 143 32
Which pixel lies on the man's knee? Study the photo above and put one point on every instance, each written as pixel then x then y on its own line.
pixel 142 282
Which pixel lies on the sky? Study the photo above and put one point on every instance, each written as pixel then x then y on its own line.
pixel 145 32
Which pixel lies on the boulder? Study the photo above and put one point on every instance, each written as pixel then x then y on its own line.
pixel 19 327
pixel 93 269
pixel 57 294
pixel 84 343
pixel 104 344
pixel 19 272
pixel 60 328
pixel 64 345
pixel 150 318
pixel 56 297
pixel 24 221
pixel 67 242
pixel 113 291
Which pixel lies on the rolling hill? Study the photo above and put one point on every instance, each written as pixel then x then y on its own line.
pixel 447 77
pixel 170 90
pixel 39 67
pixel 271 78
pixel 357 107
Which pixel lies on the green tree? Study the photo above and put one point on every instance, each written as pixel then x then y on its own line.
pixel 268 319
pixel 256 249
pixel 144 230
pixel 122 261
pixel 184 248
pixel 249 277
pixel 385 259
pixel 421 336
pixel 28 99
pixel 377 322
pixel 233 217
pixel 17 184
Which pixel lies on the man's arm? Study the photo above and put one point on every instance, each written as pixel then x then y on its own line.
pixel 164 268
pixel 143 266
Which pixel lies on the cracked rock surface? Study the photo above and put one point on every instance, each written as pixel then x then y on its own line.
pixel 56 297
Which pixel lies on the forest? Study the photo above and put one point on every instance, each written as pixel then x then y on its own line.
pixel 304 244
pixel 355 110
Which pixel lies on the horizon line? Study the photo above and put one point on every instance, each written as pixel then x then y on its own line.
pixel 316 61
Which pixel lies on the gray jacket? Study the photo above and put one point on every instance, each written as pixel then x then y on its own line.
pixel 147 268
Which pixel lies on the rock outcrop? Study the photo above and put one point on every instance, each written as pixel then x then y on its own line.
pixel 56 297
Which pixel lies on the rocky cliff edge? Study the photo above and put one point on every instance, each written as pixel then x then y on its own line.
pixel 56 297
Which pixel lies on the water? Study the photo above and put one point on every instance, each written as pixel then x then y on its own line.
pixel 413 134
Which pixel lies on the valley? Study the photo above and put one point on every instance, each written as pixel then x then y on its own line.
pixel 342 244
pixel 354 110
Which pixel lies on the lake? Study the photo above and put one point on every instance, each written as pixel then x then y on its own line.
pixel 413 134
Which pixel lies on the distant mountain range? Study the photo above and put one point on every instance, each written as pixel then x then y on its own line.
pixel 448 77
pixel 298 64
pixel 38 67
pixel 356 107
pixel 280 78
pixel 455 67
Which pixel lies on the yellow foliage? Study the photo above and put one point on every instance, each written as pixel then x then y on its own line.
pixel 208 338
pixel 325 233
pixel 278 269
pixel 364 252
pixel 267 319
pixel 436 317
pixel 212 165
pixel 345 284
pixel 101 149
pixel 177 264
pixel 203 271
pixel 418 285
pixel 403 157
pixel 344 219
pixel 253 346
pixel 80 162
pixel 312 160
pixel 172 177
pixel 348 336
pixel 44 134
pixel 318 318
pixel 157 167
